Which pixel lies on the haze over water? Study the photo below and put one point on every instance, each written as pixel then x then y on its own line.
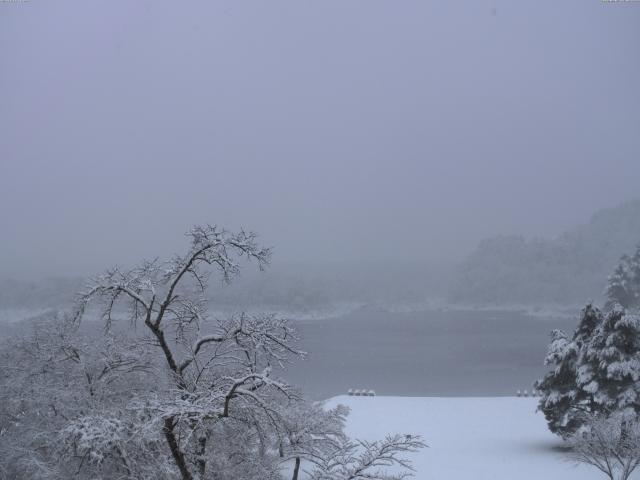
pixel 431 353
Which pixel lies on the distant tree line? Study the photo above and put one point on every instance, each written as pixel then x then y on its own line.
pixel 566 270
pixel 289 286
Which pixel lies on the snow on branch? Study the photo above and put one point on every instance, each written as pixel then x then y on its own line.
pixel 370 460
pixel 151 289
pixel 612 445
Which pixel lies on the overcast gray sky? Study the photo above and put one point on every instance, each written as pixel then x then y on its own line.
pixel 359 129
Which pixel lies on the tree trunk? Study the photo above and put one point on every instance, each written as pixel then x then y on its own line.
pixel 296 469
pixel 202 460
pixel 177 454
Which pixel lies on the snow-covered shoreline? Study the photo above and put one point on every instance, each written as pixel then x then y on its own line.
pixel 17 314
pixel 435 304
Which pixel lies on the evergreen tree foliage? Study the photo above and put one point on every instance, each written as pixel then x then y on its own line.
pixel 563 403
pixel 595 372
pixel 624 283
pixel 558 386
pixel 616 351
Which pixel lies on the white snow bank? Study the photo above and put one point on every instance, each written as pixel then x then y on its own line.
pixel 469 438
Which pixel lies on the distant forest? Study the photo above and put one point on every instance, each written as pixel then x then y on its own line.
pixel 566 270
pixel 501 271
pixel 284 286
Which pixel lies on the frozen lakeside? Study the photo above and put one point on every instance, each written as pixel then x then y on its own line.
pixel 490 438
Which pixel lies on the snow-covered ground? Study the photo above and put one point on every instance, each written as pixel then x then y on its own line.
pixel 498 438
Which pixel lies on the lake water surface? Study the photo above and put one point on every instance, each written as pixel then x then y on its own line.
pixel 430 353
pixel 426 353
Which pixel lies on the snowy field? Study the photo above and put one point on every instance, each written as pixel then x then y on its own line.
pixel 499 438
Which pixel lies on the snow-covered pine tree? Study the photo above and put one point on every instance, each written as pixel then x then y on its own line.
pixel 588 373
pixel 623 287
pixel 597 371
pixel 615 353
pixel 558 387
pixel 562 401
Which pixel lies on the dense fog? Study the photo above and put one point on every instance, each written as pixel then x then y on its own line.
pixel 338 131
pixel 271 240
pixel 502 271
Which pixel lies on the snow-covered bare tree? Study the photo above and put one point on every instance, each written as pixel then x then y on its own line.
pixel 219 370
pixel 159 389
pixel 610 444
pixel 310 433
pixel 62 404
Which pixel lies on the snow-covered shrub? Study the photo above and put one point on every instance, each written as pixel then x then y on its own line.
pixel 609 443
pixel 362 459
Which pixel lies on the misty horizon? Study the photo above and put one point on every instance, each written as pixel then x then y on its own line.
pixel 305 240
pixel 316 266
pixel 336 131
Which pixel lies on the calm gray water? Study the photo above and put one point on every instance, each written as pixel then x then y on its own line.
pixel 437 353
pixel 430 353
